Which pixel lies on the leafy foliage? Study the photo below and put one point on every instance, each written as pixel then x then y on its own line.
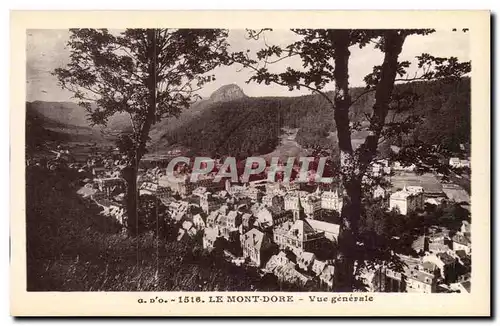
pixel 149 74
pixel 325 59
pixel 121 73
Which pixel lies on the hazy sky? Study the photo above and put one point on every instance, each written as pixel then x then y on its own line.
pixel 46 50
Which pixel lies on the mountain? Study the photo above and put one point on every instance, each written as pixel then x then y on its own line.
pixel 71 114
pixel 254 126
pixel 231 123
pixel 67 122
pixel 226 93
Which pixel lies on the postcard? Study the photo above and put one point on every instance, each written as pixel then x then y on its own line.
pixel 250 163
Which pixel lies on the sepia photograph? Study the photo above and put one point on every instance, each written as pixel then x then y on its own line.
pixel 246 165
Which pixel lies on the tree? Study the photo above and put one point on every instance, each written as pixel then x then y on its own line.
pixel 152 215
pixel 147 74
pixel 325 59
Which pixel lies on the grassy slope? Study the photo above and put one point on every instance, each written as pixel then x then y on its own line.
pixel 72 248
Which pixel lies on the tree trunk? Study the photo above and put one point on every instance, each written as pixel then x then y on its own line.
pixel 130 175
pixel 130 172
pixel 344 266
pixel 346 258
pixel 392 48
pixel 353 167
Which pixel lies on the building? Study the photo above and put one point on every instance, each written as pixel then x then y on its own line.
pixel 420 280
pixel 209 237
pixel 178 183
pixel 380 167
pixel 465 229
pixel 111 186
pixel 379 192
pixel 254 194
pixel 99 172
pixel 407 200
pixel 272 200
pixel 331 200
pixel 455 162
pixel 415 278
pixel 305 260
pixel 310 203
pixel 227 223
pixel 199 222
pixel 257 247
pixel 327 276
pixel 292 200
pixel 181 184
pixel 264 218
pixel 298 235
pixel 318 267
pixel 461 242
pixel 178 209
pixel 285 270
pixel 269 216
pixel 461 287
pixel 397 166
pixel 148 188
pixel 464 259
pixel 236 189
pixel 212 219
pixel 446 264
pixel 200 191
pixel 247 222
pixel 330 230
pixel 210 203
pixel 234 220
pixel 274 188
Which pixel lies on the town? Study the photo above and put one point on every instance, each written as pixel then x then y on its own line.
pixel 290 229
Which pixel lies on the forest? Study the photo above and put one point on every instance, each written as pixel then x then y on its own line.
pixel 252 126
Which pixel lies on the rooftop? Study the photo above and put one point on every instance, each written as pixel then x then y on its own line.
pixel 324 226
pixel 445 258
pixel 255 238
pixel 461 239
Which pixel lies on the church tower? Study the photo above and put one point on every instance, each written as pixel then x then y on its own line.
pixel 299 214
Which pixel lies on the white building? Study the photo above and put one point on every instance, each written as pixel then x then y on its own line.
pixel 458 163
pixel 379 192
pixel 292 199
pixel 209 237
pixel 148 188
pixel 209 203
pixel 331 200
pixel 177 183
pixel 407 200
pixel 397 166
pixel 310 202
pixel 380 167
pixel 330 230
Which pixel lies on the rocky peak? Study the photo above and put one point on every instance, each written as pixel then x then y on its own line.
pixel 227 93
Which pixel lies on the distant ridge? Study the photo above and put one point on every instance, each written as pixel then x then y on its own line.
pixel 230 122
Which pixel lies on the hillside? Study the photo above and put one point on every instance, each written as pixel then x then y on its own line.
pixel 223 94
pixel 252 126
pixel 230 122
pixel 71 247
